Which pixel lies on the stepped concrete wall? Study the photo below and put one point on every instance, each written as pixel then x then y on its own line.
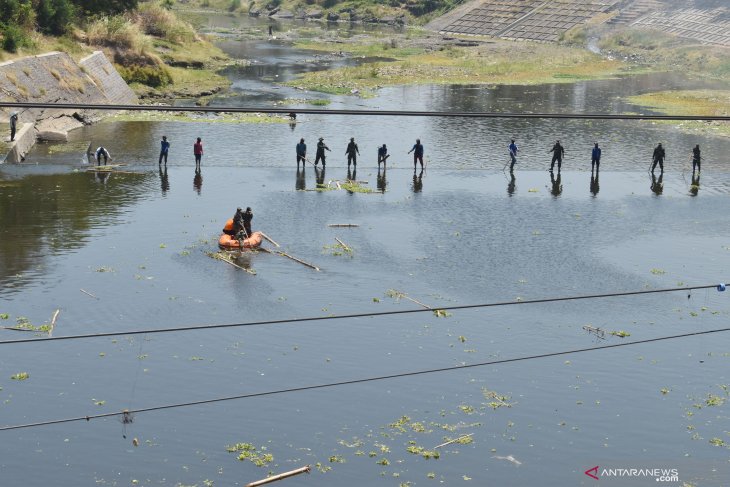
pixel 55 77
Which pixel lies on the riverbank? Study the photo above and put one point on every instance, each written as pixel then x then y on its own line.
pixel 431 59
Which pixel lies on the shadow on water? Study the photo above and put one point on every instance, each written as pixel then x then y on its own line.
pixel 301 183
pixel 556 184
pixel 382 183
pixel 657 184
pixel 198 180
pixel 512 184
pixel 595 188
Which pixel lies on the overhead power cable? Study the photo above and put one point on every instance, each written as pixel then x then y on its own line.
pixel 127 413
pixel 387 113
pixel 719 287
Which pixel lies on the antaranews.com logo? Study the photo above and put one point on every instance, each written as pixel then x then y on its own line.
pixel 658 474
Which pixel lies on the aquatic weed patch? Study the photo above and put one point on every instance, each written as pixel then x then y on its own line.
pixel 248 452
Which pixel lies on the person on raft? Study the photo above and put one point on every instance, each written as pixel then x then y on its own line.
pixel 242 223
pixel 352 152
pixel 102 152
pixel 417 154
pixel 321 147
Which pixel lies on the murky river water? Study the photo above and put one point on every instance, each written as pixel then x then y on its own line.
pixel 463 232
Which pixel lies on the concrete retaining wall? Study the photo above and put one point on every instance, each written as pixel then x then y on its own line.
pixel 55 77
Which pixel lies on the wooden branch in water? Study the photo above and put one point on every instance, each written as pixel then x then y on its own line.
pixel 280 476
pixel 269 239
pixel 224 258
pixel 343 225
pixel 298 260
pixel 453 441
pixel 53 321
pixel 347 247
pixel 88 293
pixel 404 295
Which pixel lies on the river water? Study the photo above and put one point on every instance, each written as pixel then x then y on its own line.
pixel 129 252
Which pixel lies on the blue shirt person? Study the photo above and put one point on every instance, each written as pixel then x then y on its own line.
pixel 164 149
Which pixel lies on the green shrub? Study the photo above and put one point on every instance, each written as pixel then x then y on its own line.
pixel 116 31
pixel 154 76
pixel 235 5
pixel 14 38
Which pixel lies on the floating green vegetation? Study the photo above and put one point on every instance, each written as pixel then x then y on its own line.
pixel 321 187
pixel 441 313
pixel 20 376
pixel 714 400
pixel 658 272
pixel 322 468
pixel 355 187
pixel 619 333
pixel 248 452
pixel 98 403
pixel 718 442
pixel 465 408
pixel 664 391
pixel 383 461
pixel 419 450
pixel 336 459
pixel 104 269
pixel 227 257
pixel 338 249
pixel 4 316
pixel 22 323
pixel 496 400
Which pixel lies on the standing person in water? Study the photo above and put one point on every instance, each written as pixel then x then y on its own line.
pixel 198 151
pixel 595 157
pixel 13 125
pixel 558 153
pixel 164 149
pixel 102 152
pixel 352 152
pixel 321 147
pixel 301 152
pixel 696 158
pixel 382 154
pixel 658 158
pixel 417 150
pixel 513 150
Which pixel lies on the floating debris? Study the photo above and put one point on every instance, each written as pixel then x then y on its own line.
pixel 509 458
pixel 281 476
pixel 227 258
pixel 344 225
pixel 247 451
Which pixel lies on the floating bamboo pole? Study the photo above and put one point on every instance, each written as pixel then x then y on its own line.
pixel 88 293
pixel 343 225
pixel 347 247
pixel 280 476
pixel 298 260
pixel 269 239
pixel 53 321
pixel 453 441
pixel 404 295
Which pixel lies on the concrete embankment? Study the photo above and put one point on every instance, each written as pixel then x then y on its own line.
pixel 55 77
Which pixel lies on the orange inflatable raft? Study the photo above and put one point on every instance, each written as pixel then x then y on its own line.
pixel 228 241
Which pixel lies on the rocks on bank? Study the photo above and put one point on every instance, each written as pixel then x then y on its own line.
pixel 55 77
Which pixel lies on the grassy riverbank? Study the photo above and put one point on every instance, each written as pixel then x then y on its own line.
pixel 697 102
pixel 424 61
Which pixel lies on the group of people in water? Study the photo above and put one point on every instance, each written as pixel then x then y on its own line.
pixel 352 152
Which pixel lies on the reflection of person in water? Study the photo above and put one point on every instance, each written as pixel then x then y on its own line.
pixel 557 185
pixel 511 186
pixel 657 185
pixel 382 183
pixel 164 182
pixel 695 187
pixel 351 176
pixel 417 182
pixel 319 175
pixel 102 176
pixel 594 184
pixel 198 180
pixel 301 183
